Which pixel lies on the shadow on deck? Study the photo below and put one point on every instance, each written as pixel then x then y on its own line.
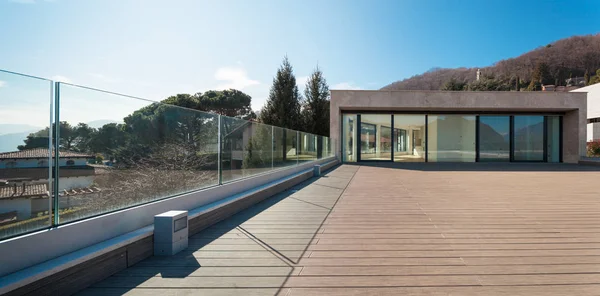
pixel 251 253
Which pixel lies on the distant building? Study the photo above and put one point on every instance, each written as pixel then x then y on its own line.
pixel 549 87
pixel 575 81
pixel 24 178
pixel 560 88
pixel 593 110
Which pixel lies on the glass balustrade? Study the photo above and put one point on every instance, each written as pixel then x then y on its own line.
pixel 117 151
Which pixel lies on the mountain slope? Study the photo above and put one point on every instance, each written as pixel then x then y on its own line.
pixel 565 58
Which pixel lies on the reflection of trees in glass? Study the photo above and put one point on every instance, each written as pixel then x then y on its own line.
pixel 258 151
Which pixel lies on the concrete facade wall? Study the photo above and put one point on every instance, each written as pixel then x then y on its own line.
pixel 573 105
pixel 21 205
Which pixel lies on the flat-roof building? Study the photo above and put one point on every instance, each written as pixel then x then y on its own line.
pixel 593 110
pixel 461 126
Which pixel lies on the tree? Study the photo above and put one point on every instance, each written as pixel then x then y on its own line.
pixel 108 139
pixel 40 139
pixel 454 85
pixel 540 76
pixel 595 79
pixel 83 135
pixel 315 112
pixel 230 102
pixel 586 77
pixel 490 83
pixel 282 108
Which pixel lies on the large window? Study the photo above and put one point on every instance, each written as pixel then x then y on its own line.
pixel 348 146
pixel 451 138
pixel 409 138
pixel 553 138
pixel 376 137
pixel 528 137
pixel 494 138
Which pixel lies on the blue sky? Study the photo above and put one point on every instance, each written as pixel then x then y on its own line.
pixel 154 49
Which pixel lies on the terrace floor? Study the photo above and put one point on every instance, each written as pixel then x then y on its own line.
pixel 389 229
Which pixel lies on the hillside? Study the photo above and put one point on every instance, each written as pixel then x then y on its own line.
pixel 569 57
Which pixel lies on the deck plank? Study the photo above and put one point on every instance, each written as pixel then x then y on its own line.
pixel 379 230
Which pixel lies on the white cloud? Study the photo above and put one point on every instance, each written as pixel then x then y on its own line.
pixel 61 78
pixel 233 77
pixel 2 83
pixel 345 86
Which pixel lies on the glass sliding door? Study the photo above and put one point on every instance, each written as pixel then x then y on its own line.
pixel 528 137
pixel 375 137
pixel 494 138
pixel 553 138
pixel 409 138
pixel 348 142
pixel 451 138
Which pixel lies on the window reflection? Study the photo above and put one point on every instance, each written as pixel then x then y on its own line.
pixel 494 138
pixel 451 138
pixel 529 138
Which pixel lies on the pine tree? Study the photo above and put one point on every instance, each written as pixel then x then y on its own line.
pixel 586 77
pixel 316 108
pixel 282 108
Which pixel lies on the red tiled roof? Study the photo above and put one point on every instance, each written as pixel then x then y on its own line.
pixel 42 153
pixel 27 191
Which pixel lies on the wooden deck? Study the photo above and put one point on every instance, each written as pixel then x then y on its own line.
pixel 399 230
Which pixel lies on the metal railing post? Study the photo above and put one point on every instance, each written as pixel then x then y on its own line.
pixel 50 190
pixel 219 152
pixel 56 151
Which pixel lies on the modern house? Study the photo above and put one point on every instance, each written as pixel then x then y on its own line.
pixel 593 110
pixel 443 126
pixel 24 179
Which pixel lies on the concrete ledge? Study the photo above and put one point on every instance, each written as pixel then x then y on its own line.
pixel 77 270
pixel 590 161
pixel 71 237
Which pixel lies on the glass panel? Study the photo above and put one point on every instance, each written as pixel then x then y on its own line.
pixel 319 147
pixel 308 147
pixel 529 138
pixel 326 147
pixel 409 138
pixel 118 151
pixel 284 151
pixel 553 138
pixel 376 137
pixel 451 138
pixel 494 138
pixel 247 148
pixel 348 147
pixel 24 154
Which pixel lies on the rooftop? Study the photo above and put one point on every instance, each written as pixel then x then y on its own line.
pixel 24 191
pixel 42 153
pixel 422 229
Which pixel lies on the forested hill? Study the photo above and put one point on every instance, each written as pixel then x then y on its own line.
pixel 551 64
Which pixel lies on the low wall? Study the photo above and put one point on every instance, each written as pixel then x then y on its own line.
pixel 48 244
